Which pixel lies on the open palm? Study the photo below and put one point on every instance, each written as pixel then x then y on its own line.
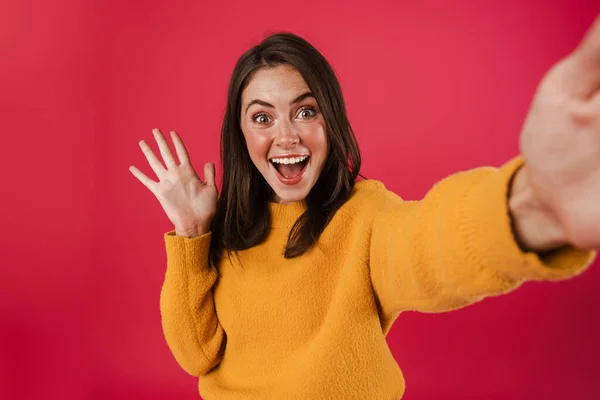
pixel 190 204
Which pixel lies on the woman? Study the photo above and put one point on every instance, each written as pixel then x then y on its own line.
pixel 286 285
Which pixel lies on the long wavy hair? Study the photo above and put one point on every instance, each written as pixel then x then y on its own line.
pixel 242 218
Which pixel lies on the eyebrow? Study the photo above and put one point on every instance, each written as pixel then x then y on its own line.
pixel 265 104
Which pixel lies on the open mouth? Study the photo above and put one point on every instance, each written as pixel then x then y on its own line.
pixel 290 169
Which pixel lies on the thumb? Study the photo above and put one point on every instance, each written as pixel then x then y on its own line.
pixel 209 173
pixel 586 58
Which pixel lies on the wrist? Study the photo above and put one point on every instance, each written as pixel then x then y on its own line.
pixel 191 232
pixel 534 224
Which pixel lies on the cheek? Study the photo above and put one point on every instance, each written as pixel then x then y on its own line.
pixel 316 140
pixel 258 145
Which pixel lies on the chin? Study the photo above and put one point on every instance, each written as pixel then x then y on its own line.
pixel 291 195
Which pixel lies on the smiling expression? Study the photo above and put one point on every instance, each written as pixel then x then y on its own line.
pixel 285 132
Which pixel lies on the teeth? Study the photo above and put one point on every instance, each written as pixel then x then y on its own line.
pixel 289 160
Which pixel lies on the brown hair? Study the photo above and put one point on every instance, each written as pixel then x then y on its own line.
pixel 242 217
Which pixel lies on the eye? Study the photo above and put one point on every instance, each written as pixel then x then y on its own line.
pixel 307 112
pixel 261 118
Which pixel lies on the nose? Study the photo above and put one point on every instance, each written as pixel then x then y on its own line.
pixel 286 135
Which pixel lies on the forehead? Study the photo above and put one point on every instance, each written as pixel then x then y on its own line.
pixel 275 83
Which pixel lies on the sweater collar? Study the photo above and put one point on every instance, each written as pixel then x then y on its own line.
pixel 284 215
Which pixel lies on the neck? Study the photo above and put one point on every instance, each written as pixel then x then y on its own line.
pixel 284 215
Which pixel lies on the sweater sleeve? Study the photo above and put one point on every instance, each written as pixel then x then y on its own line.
pixel 456 246
pixel 189 321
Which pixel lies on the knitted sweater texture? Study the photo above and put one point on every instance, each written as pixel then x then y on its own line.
pixel 315 326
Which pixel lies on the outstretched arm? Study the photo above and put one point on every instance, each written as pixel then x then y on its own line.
pixel 483 232
pixel 456 246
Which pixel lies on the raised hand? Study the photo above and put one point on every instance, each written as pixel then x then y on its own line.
pixel 190 204
pixel 561 142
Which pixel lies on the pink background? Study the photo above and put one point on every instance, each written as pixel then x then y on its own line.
pixel 431 88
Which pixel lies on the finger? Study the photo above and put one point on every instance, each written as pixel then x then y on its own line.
pixel 163 146
pixel 586 58
pixel 149 183
pixel 182 153
pixel 209 173
pixel 154 162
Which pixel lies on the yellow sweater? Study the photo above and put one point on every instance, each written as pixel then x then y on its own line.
pixel 314 327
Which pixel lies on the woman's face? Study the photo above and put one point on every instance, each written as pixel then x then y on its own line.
pixel 285 131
